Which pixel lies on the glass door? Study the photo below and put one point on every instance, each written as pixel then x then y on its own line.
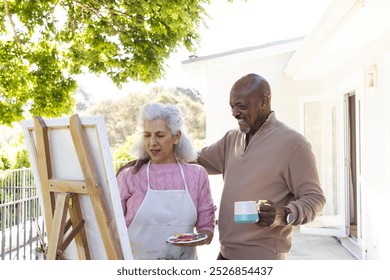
pixel 322 124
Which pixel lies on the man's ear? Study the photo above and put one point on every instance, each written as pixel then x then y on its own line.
pixel 265 102
pixel 176 137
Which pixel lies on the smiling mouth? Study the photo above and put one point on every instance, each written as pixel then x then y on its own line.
pixel 154 152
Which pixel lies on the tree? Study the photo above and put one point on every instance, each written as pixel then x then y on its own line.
pixel 192 111
pixel 4 162
pixel 45 43
pixel 21 159
pixel 121 115
pixel 121 154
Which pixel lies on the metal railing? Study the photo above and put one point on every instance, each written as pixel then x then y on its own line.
pixel 21 217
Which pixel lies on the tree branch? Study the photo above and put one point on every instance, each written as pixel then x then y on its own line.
pixel 16 37
pixel 112 11
pixel 88 8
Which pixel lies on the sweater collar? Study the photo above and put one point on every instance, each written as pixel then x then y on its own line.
pixel 268 123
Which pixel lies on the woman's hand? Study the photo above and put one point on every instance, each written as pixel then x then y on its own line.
pixel 208 240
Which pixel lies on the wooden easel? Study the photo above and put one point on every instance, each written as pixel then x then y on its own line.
pixel 61 197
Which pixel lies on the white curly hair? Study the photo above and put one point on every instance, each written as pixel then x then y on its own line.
pixel 174 120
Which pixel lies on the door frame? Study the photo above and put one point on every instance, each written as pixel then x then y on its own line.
pixel 326 228
pixel 357 245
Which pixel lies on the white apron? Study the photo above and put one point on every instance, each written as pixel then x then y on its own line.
pixel 162 214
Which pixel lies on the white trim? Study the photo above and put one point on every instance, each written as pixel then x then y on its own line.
pixel 331 18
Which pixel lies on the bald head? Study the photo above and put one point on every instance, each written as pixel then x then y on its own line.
pixel 252 84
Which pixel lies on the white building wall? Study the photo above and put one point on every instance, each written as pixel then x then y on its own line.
pixel 385 240
pixel 377 168
pixel 374 145
pixel 215 77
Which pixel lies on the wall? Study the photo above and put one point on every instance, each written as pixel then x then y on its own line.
pixel 214 78
pixel 376 151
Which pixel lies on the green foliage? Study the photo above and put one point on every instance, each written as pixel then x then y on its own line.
pixel 21 159
pixel 4 162
pixel 13 154
pixel 122 151
pixel 45 43
pixel 121 154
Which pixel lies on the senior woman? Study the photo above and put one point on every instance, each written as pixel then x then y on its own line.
pixel 167 196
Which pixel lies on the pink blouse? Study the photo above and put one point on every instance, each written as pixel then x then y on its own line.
pixel 133 188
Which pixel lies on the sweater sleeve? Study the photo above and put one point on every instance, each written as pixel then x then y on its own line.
pixel 212 158
pixel 206 207
pixel 124 190
pixel 304 184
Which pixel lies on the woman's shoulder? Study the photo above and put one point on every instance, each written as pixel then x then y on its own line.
pixel 128 171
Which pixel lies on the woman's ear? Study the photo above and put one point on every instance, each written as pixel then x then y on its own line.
pixel 176 138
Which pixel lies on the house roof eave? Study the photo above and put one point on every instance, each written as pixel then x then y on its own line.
pixel 336 11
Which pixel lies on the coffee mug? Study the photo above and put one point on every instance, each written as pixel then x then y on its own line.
pixel 245 212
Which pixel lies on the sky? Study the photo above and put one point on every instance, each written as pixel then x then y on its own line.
pixel 232 25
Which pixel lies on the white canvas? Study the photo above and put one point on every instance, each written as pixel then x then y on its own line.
pixel 66 166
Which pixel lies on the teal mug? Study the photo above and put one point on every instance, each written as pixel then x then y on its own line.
pixel 245 212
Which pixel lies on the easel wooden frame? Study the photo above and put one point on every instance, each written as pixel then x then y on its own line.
pixel 61 197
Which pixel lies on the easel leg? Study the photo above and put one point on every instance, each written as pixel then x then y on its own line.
pixel 58 225
pixel 94 189
pixel 81 238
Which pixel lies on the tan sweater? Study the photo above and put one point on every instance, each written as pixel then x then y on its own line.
pixel 277 165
